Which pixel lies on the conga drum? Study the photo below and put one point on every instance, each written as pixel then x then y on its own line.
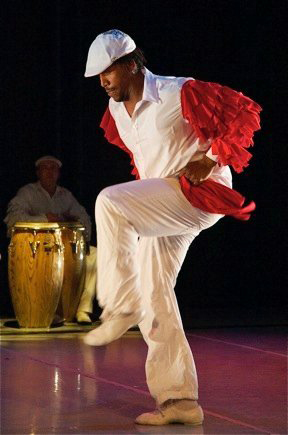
pixel 35 270
pixel 73 239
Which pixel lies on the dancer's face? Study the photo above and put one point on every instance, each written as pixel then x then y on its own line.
pixel 116 80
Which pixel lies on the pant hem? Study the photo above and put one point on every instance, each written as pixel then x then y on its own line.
pixel 163 397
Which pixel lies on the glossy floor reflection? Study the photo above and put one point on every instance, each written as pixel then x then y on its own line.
pixel 54 384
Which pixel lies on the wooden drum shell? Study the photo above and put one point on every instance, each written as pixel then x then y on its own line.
pixel 35 270
pixel 73 239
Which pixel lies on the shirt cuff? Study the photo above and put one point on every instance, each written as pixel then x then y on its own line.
pixel 211 156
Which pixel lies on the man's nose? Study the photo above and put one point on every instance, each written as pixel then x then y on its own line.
pixel 103 80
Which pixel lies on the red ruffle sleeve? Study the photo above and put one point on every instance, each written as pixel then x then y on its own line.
pixel 112 135
pixel 224 116
pixel 209 196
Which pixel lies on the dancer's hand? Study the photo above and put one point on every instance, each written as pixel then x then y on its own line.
pixel 198 171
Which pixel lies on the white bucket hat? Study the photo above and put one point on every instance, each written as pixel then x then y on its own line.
pixel 106 49
pixel 48 158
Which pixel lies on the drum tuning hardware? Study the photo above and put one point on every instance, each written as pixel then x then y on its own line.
pixel 11 244
pixel 48 246
pixel 75 243
pixel 34 247
pixel 60 247
pixel 74 247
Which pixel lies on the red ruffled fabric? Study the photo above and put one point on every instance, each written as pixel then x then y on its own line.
pixel 216 198
pixel 224 116
pixel 209 196
pixel 112 135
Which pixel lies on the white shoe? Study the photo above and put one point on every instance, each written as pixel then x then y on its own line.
pixel 174 411
pixel 83 317
pixel 112 328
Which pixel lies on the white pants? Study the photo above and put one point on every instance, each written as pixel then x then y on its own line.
pixel 144 229
pixel 89 292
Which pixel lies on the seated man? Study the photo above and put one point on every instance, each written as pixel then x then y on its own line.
pixel 45 201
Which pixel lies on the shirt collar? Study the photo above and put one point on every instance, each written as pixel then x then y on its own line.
pixel 45 191
pixel 150 91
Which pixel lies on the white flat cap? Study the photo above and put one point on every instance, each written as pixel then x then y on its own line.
pixel 48 158
pixel 106 49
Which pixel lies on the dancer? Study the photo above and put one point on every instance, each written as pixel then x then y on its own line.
pixel 181 134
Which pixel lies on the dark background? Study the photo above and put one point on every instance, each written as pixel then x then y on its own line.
pixel 234 272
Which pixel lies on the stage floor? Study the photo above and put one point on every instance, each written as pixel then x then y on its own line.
pixel 52 383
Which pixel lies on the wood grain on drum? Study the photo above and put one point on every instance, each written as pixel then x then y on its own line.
pixel 35 270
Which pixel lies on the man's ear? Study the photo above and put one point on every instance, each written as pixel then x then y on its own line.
pixel 132 67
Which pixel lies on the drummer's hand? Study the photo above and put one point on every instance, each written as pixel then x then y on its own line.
pixel 198 171
pixel 53 217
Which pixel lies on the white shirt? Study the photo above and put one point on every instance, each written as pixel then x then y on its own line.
pixel 32 202
pixel 161 140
